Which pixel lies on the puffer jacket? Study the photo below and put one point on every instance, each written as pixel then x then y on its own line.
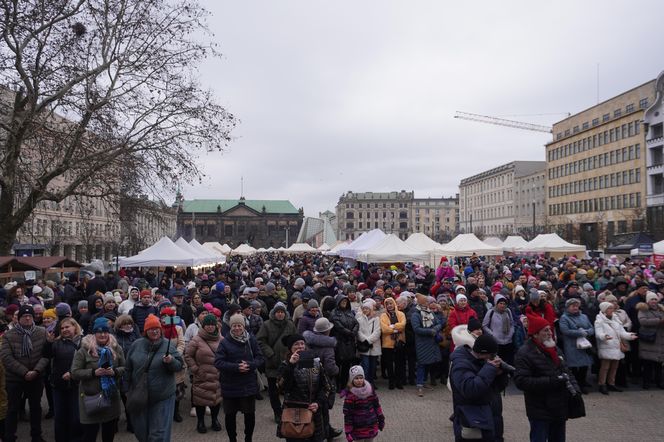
pixel 161 376
pixel 369 330
pixel 536 374
pixel 230 353
pixel 323 347
pixel 16 366
pixel 82 370
pixel 608 333
pixel 650 321
pixel 387 328
pixel 345 330
pixel 363 416
pixel 199 356
pixel 307 322
pixel 269 339
pixel 61 354
pixel 426 347
pixel 573 327
pixel 140 313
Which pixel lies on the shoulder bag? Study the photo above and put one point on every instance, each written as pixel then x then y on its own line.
pixel 95 404
pixel 297 422
pixel 137 396
pixel 365 346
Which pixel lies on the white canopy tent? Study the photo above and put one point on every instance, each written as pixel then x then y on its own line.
pixel 217 248
pixel 261 250
pixel 392 249
pixel 281 249
pixel 334 251
pixel 301 247
pixel 493 241
pixel 203 257
pixel 271 249
pixel 422 242
pixel 551 243
pixel 215 256
pixel 658 248
pixel 162 253
pixel 364 242
pixel 467 244
pixel 243 250
pixel 512 243
pixel 324 247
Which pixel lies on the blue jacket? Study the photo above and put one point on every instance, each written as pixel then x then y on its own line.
pixel 426 347
pixel 573 327
pixel 230 353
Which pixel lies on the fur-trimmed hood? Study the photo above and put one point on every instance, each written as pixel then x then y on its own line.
pixel 642 306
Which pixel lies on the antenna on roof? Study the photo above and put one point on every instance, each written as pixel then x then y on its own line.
pixel 241 187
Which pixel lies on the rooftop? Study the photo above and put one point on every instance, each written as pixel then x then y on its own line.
pixel 209 206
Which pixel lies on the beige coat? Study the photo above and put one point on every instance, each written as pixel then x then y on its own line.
pixel 178 343
pixel 199 355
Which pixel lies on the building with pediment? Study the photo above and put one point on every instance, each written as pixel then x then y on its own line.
pixel 259 223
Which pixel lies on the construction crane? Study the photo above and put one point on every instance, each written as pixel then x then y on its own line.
pixel 503 122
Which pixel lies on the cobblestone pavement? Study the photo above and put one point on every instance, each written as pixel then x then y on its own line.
pixel 629 416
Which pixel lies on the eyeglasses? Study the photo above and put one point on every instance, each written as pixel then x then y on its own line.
pixel 154 330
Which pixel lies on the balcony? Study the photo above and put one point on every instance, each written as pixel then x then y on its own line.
pixel 655 169
pixel 656 141
pixel 655 200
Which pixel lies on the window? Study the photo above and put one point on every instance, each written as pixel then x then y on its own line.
pixel 617 113
pixel 595 121
pixel 228 230
pixel 643 103
pixel 629 108
pixel 585 125
pixel 637 149
pixel 350 225
pixel 605 118
pixel 350 215
pixel 566 132
pixel 575 129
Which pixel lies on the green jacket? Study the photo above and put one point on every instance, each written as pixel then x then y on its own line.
pixel 82 370
pixel 161 376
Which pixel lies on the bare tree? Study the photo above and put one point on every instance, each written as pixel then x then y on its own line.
pixel 90 89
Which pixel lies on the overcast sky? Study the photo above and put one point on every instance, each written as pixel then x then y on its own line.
pixel 360 95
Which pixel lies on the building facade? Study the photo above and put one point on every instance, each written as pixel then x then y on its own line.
pixel 653 126
pixel 487 201
pixel 79 228
pixel 596 183
pixel 530 203
pixel 438 218
pixel 361 212
pixel 143 222
pixel 259 223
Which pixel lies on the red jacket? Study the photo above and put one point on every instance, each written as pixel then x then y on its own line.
pixel 549 314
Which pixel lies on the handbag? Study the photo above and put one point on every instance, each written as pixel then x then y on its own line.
pixel 365 346
pixel 624 346
pixel 583 344
pixel 298 422
pixel 576 408
pixel 137 396
pixel 95 404
pixel 647 337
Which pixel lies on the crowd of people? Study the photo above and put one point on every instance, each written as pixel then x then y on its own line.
pixel 311 329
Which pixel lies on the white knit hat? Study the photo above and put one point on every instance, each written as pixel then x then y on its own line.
pixel 355 371
pixel 650 296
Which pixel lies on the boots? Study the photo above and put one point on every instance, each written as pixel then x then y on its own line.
pixel 176 413
pixel 216 425
pixel 200 415
pixel 603 389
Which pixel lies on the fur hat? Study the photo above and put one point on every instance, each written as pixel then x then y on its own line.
pixel 355 371
pixel 535 324
pixel 604 305
pixel 289 340
pixel 236 319
pixel 151 322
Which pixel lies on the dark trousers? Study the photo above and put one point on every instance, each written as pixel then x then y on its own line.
pixel 411 359
pixel 547 431
pixel 90 431
pixel 342 377
pixel 395 365
pixel 273 392
pixel 66 423
pixel 580 374
pixel 633 361
pixel 652 372
pixel 33 392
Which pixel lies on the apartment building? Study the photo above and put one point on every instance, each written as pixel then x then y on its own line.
pixel 653 126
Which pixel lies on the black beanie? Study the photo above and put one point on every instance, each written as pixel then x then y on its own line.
pixel 473 324
pixel 485 344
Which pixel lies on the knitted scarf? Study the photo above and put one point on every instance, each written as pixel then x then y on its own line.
pixel 550 351
pixel 107 382
pixel 362 392
pixel 242 339
pixel 427 316
pixel 26 346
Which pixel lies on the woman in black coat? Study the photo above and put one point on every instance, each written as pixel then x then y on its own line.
pixel 345 330
pixel 305 385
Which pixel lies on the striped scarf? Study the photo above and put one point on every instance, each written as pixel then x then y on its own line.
pixel 26 346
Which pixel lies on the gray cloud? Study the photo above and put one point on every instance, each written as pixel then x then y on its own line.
pixel 338 96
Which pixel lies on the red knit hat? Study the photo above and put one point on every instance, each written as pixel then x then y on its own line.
pixel 145 292
pixel 535 324
pixel 151 322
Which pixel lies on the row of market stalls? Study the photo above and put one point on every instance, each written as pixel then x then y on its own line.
pixel 34 267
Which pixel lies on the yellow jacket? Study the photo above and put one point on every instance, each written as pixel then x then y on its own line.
pixel 386 328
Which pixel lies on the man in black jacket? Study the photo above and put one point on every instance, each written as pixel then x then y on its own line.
pixel 545 381
pixel 477 380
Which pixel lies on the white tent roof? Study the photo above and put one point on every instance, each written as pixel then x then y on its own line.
pixel 551 242
pixel 281 249
pixel 162 253
pixel 658 248
pixel 261 250
pixel 324 247
pixel 392 249
pixel 465 245
pixel 214 255
pixel 512 243
pixel 203 257
pixel 364 242
pixel 334 251
pixel 271 249
pixel 493 241
pixel 420 241
pixel 301 247
pixel 216 247
pixel 243 250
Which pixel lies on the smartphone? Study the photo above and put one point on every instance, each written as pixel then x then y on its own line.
pixel 105 365
pixel 306 359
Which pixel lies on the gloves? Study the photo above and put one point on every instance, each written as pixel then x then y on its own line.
pixel 349 438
